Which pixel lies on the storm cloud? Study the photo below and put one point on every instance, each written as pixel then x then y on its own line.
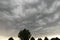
pixel 41 17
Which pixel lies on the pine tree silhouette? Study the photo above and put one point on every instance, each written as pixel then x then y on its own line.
pixel 11 38
pixel 39 39
pixel 32 38
pixel 46 38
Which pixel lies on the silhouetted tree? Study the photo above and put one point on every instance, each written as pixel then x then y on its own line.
pixel 32 38
pixel 11 38
pixel 39 39
pixel 55 38
pixel 24 34
pixel 46 38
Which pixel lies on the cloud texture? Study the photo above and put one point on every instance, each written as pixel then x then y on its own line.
pixel 41 17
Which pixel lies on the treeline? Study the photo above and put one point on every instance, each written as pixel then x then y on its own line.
pixel 26 35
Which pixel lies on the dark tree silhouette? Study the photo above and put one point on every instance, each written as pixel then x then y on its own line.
pixel 11 38
pixel 46 38
pixel 39 39
pixel 52 38
pixel 24 34
pixel 55 38
pixel 32 38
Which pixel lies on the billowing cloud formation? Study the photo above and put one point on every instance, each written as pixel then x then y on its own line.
pixel 41 17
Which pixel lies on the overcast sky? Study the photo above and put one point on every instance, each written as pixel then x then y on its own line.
pixel 41 17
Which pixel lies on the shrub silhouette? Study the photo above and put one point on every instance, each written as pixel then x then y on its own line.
pixel 24 34
pixel 32 38
pixel 46 38
pixel 39 39
pixel 11 38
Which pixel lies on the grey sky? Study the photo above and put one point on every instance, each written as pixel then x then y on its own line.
pixel 41 17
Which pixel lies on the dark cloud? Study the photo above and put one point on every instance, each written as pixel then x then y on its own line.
pixel 41 17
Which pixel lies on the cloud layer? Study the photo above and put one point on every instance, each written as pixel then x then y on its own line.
pixel 41 17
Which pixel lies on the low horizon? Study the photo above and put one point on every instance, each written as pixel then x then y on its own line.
pixel 16 38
